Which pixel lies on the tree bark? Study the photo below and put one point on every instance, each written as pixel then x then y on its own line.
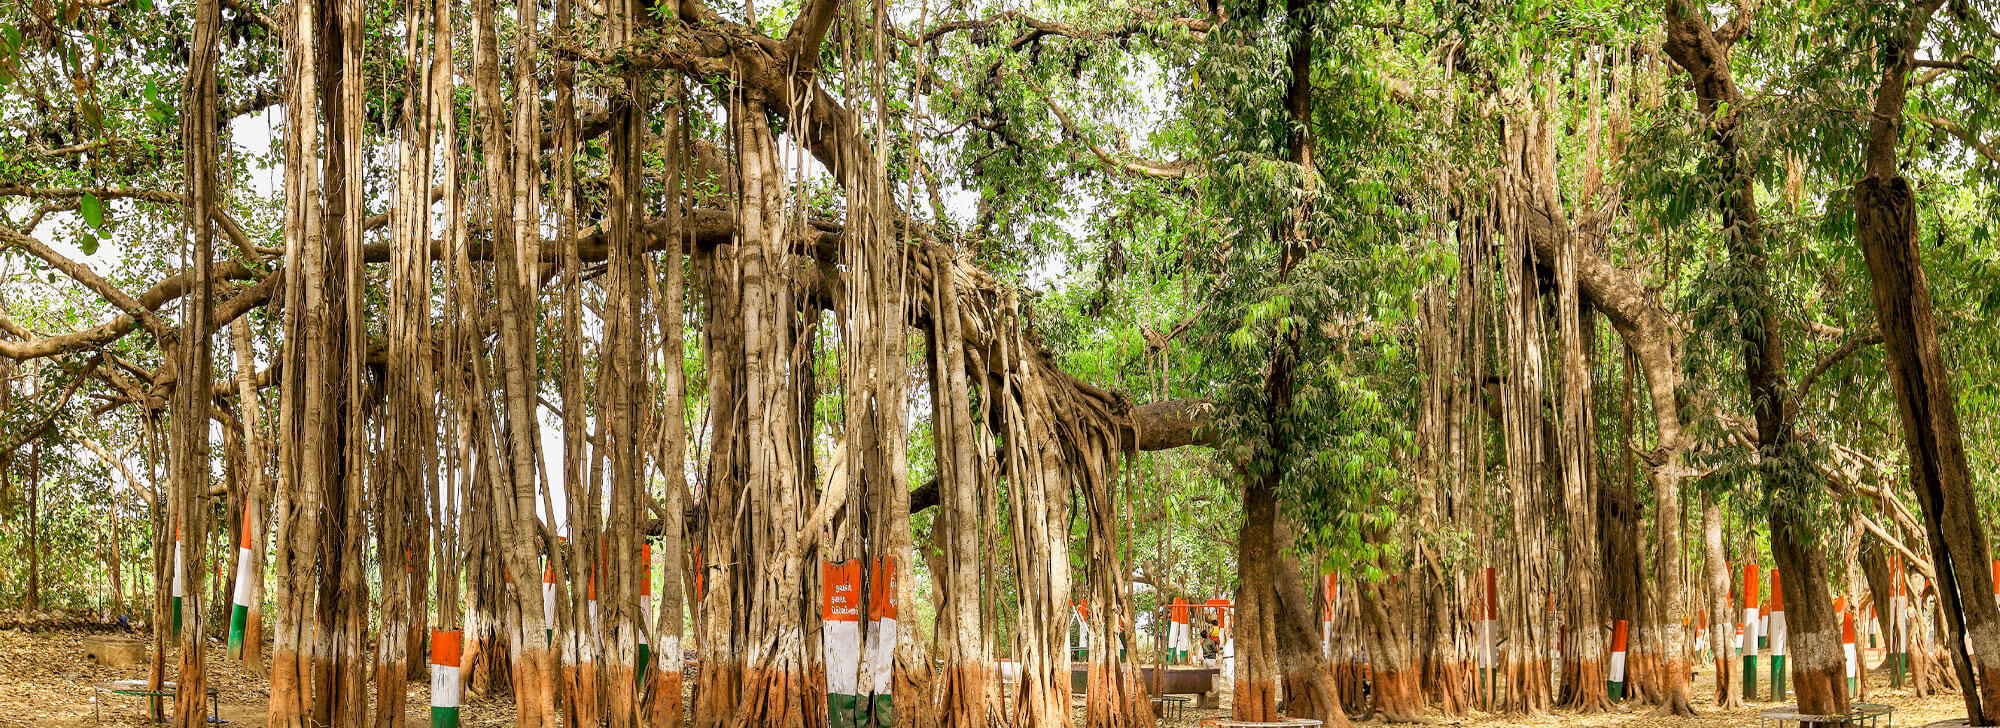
pixel 1887 228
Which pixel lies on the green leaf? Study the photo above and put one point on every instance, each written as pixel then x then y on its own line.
pixel 13 37
pixel 92 209
pixel 88 244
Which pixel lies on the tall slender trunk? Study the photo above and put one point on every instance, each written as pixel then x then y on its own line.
pixel 965 668
pixel 1585 677
pixel 1257 675
pixel 256 481
pixel 663 694
pixel 305 394
pixel 194 369
pixel 1815 632
pixel 1886 228
pixel 1728 672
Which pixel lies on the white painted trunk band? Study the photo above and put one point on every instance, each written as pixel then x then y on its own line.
pixel 1750 631
pixel 241 595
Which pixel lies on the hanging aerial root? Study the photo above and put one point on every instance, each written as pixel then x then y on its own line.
pixel 1042 697
pixel 963 702
pixel 1350 679
pixel 620 685
pixel 1584 683
pixel 580 692
pixel 1127 704
pixel 778 694
pixel 1452 682
pixel 1677 697
pixel 718 681
pixel 1643 673
pixel 1398 697
pixel 1528 687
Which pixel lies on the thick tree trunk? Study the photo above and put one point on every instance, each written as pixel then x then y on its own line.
pixel 1256 688
pixel 1397 696
pixel 966 684
pixel 1886 228
pixel 1585 674
pixel 1308 678
pixel 664 708
pixel 1885 210
pixel 1817 663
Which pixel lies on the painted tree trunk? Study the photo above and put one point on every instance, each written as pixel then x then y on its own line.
pixel 966 684
pixel 1886 218
pixel 1886 228
pixel 1307 676
pixel 1584 676
pixel 1397 695
pixel 1812 636
pixel 1256 685
pixel 1721 639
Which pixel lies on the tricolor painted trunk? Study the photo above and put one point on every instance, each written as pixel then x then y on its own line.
pixel 645 612
pixel 1616 685
pixel 180 587
pixel 445 647
pixel 1180 633
pixel 880 669
pixel 1897 638
pixel 1847 645
pixel 1701 640
pixel 1489 638
pixel 840 635
pixel 241 597
pixel 1764 621
pixel 549 602
pixel 1777 637
pixel 859 681
pixel 1749 631
pixel 1327 596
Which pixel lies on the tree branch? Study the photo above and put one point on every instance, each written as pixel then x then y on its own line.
pixel 1135 167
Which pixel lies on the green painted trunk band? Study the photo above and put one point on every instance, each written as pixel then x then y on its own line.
pixel 239 616
pixel 885 713
pixel 1617 691
pixel 444 717
pixel 840 711
pixel 1750 676
pixel 177 619
pixel 1777 677
pixel 645 663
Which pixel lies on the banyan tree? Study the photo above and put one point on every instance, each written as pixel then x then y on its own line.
pixel 910 363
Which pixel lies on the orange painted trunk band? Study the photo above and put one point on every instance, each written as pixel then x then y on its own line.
pixel 446 647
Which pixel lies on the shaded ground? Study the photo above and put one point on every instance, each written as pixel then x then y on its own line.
pixel 45 681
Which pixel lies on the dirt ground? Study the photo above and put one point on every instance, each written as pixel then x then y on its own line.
pixel 45 681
